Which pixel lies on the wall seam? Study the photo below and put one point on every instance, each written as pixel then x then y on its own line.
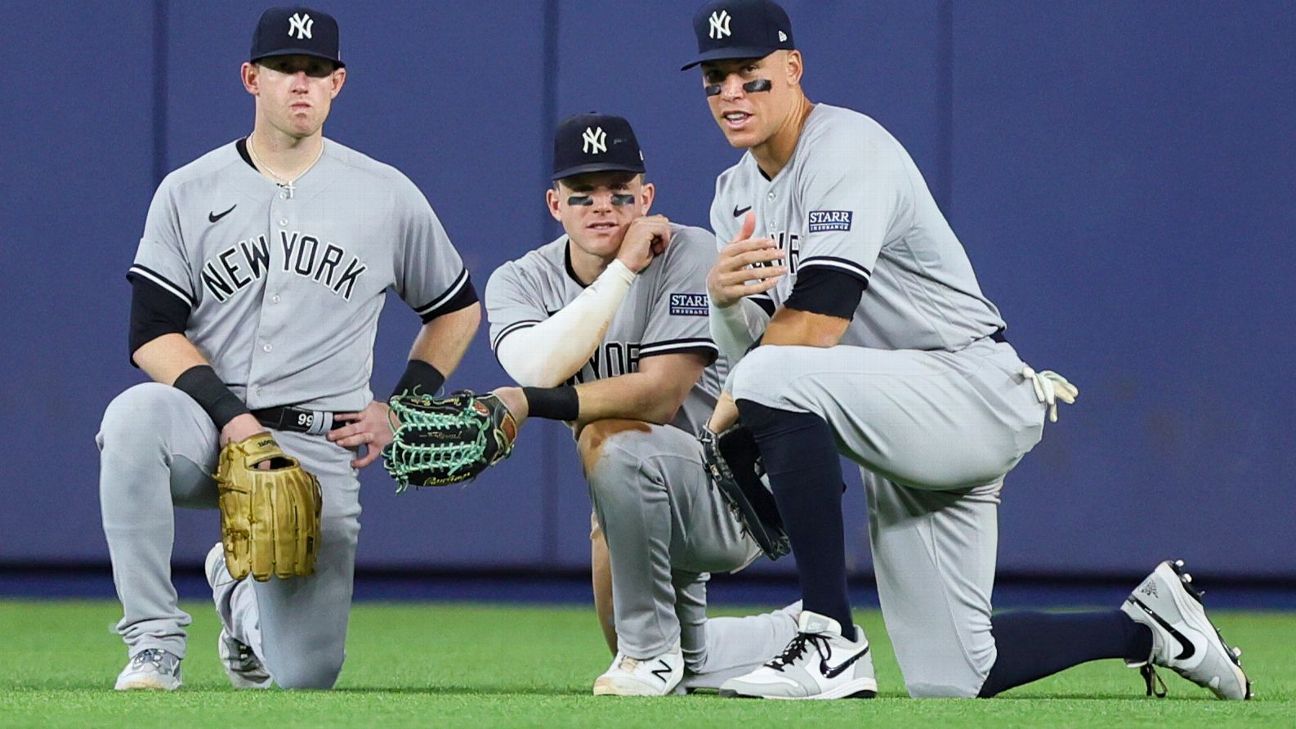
pixel 945 104
pixel 161 165
pixel 549 106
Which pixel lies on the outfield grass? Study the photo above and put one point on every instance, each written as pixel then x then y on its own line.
pixel 479 666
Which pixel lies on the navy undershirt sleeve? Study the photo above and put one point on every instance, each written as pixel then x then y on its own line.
pixel 827 291
pixel 154 312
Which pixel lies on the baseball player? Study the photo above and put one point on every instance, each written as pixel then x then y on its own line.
pixel 873 340
pixel 606 327
pixel 256 290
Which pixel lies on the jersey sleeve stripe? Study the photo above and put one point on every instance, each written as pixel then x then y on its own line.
pixel 162 281
pixel 765 302
pixel 515 326
pixel 432 305
pixel 842 264
pixel 677 345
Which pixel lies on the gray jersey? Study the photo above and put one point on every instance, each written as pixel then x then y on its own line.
pixel 285 289
pixel 664 312
pixel 851 199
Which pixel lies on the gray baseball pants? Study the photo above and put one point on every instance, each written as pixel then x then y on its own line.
pixel 158 449
pixel 934 433
pixel 667 529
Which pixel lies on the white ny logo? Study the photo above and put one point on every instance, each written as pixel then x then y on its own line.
pixel 300 24
pixel 719 25
pixel 594 141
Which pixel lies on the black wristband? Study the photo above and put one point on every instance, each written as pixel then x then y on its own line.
pixel 202 384
pixel 553 403
pixel 420 377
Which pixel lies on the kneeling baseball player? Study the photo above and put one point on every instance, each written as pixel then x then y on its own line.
pixel 256 291
pixel 877 343
pixel 606 328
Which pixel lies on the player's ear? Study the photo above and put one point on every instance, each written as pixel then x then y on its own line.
pixel 339 78
pixel 647 194
pixel 250 73
pixel 551 200
pixel 795 66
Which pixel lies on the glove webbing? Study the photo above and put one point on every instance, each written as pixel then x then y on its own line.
pixel 405 458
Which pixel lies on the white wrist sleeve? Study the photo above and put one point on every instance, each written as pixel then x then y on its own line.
pixel 736 328
pixel 548 353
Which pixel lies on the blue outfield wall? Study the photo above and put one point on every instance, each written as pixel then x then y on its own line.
pixel 1121 174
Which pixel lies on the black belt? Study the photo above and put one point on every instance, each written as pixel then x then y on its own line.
pixel 297 420
pixel 998 336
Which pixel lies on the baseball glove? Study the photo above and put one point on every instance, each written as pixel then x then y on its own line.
pixel 734 465
pixel 270 519
pixel 442 441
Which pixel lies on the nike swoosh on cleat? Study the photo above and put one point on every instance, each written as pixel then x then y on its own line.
pixel 835 671
pixel 1186 647
pixel 664 672
pixel 739 211
pixel 213 217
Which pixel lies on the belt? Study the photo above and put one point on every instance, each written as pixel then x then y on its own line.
pixel 998 336
pixel 297 420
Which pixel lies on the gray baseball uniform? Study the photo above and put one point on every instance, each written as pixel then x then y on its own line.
pixel 922 392
pixel 665 526
pixel 283 287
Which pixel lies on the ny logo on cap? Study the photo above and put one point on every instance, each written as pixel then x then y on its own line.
pixel 300 25
pixel 594 141
pixel 782 37
pixel 719 25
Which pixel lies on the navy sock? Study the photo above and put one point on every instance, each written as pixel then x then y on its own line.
pixel 1033 645
pixel 800 456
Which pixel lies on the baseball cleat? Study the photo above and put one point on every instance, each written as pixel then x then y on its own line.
pixel 150 669
pixel 241 664
pixel 656 676
pixel 1183 637
pixel 819 663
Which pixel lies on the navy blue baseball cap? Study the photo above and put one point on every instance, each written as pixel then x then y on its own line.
pixel 296 31
pixel 728 29
pixel 595 143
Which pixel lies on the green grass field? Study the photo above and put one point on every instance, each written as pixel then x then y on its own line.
pixel 480 666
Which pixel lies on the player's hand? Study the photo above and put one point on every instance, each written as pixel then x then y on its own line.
pixel 725 414
pixel 644 240
pixel 371 428
pixel 746 266
pixel 516 402
pixel 240 428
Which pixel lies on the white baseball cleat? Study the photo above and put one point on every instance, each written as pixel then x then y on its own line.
pixel 836 668
pixel 241 664
pixel 150 669
pixel 656 676
pixel 1183 638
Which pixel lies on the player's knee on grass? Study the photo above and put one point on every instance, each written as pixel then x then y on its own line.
pixel 922 690
pixel 317 673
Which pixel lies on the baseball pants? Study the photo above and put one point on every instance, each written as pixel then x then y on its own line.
pixel 158 449
pixel 666 531
pixel 934 433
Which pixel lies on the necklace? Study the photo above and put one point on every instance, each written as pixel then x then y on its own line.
pixel 281 180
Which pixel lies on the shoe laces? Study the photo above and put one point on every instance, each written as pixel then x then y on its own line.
pixel 1155 686
pixel 629 664
pixel 156 656
pixel 797 648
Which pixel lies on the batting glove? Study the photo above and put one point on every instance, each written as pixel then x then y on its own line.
pixel 1049 388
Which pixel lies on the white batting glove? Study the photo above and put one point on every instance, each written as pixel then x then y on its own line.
pixel 1050 387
